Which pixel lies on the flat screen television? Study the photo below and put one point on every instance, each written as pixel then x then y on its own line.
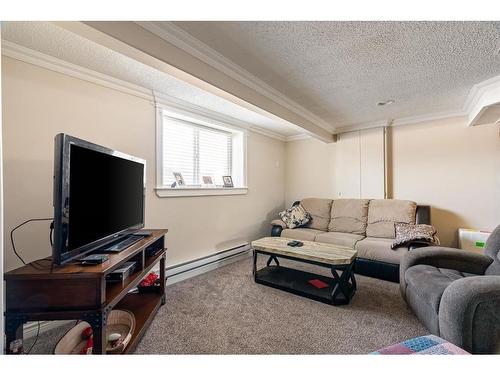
pixel 98 197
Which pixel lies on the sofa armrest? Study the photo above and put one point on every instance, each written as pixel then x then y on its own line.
pixel 468 314
pixel 443 257
pixel 419 244
pixel 279 223
pixel 423 214
pixel 277 227
pixel 447 257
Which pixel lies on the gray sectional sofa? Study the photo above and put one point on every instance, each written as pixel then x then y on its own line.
pixel 363 224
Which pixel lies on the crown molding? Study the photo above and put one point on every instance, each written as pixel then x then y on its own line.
pixel 306 136
pixel 54 64
pixel 480 97
pixel 362 126
pixel 299 137
pixel 42 60
pixel 427 118
pixel 133 41
pixel 268 133
pixel 182 107
pixel 477 90
pixel 410 120
pixel 189 44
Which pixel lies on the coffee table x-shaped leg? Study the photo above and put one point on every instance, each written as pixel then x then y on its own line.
pixel 345 284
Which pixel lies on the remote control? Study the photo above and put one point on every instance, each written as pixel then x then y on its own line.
pixel 94 259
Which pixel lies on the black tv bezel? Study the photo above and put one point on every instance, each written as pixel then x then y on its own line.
pixel 63 143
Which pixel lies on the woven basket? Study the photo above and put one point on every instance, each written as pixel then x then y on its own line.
pixel 122 322
pixel 72 342
pixel 119 321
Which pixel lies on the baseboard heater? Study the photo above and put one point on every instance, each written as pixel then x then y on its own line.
pixel 199 266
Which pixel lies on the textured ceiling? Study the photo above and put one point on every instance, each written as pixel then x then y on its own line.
pixel 52 40
pixel 340 70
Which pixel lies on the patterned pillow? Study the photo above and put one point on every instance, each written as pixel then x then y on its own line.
pixel 406 233
pixel 295 216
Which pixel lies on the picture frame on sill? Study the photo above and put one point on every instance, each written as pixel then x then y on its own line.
pixel 179 179
pixel 228 181
pixel 207 180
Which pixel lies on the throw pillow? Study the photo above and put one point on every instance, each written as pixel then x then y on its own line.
pixel 406 233
pixel 295 216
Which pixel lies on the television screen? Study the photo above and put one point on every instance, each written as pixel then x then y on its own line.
pixel 103 195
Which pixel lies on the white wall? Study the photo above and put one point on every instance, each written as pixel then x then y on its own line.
pixel 38 104
pixel 452 167
pixel 310 170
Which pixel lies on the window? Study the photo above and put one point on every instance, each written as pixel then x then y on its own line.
pixel 196 149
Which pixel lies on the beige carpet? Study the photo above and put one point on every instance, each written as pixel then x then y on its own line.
pixel 225 312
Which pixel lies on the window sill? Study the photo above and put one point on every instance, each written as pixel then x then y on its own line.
pixel 165 192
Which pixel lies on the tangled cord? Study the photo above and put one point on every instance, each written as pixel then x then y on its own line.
pixel 32 264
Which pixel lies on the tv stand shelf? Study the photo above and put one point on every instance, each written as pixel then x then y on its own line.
pixel 73 291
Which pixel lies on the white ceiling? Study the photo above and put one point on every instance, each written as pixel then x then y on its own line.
pixel 340 70
pixel 57 42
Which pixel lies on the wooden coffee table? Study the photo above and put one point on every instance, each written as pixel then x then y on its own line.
pixel 335 290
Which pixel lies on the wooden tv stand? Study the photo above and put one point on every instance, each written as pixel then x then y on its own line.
pixel 41 291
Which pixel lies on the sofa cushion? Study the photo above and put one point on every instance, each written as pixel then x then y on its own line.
pixel 349 216
pixel 340 239
pixel 383 213
pixel 406 233
pixel 424 311
pixel 319 209
pixel 379 249
pixel 302 234
pixel 429 282
pixel 295 216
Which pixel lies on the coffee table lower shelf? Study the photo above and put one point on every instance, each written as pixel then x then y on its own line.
pixel 297 282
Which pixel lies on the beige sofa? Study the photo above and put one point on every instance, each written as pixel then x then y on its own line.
pixel 363 224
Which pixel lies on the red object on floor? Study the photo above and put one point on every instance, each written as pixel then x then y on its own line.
pixel 318 283
pixel 87 334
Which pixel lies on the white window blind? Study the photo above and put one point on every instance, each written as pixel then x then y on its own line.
pixel 195 151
